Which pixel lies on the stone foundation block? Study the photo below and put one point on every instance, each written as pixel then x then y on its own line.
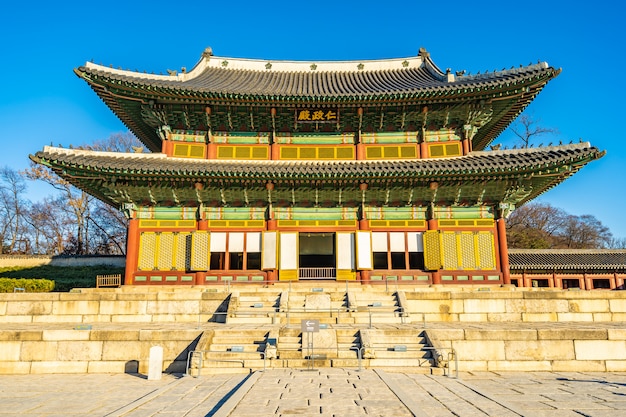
pixel 475 317
pixel 473 366
pixel 589 306
pixel 30 308
pixel 76 307
pixel 39 351
pixel 572 334
pixel 537 306
pixel 130 318
pixel 59 367
pixel 112 367
pixel 173 307
pixel 122 350
pixel 16 319
pixel 581 317
pixel 20 335
pixel 14 368
pixel 540 350
pixel 471 334
pixel 490 305
pixel 616 366
pixel 79 351
pixel 540 317
pixel 10 351
pixel 504 317
pixel 61 318
pixel 617 306
pixel 519 366
pixel 123 307
pixel 579 366
pixel 600 349
pixel 479 350
pixel 65 335
pixel 616 334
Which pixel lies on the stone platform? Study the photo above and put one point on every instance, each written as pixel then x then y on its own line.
pixel 374 327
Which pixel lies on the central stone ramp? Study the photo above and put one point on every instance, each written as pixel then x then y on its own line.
pixel 327 392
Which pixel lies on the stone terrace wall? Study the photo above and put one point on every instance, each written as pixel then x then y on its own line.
pixel 556 348
pixel 110 306
pixel 517 305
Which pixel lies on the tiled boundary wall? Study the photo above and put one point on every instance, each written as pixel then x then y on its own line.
pixel 38 260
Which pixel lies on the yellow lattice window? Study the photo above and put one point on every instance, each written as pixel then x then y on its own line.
pixel 165 253
pixel 390 151
pixel 242 152
pixel 432 250
pixel 182 256
pixel 467 250
pixel 449 250
pixel 147 251
pixel 183 150
pixel 200 253
pixel 440 150
pixel 317 152
pixel 486 250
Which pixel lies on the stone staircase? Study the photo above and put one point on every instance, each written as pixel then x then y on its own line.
pixel 253 307
pixel 393 348
pixel 243 349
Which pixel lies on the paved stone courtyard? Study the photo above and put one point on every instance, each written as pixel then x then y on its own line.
pixel 318 392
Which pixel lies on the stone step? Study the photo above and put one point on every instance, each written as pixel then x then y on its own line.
pixel 248 319
pixel 230 359
pixel 227 347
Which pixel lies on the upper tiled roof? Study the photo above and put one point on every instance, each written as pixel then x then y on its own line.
pixel 567 259
pixel 246 78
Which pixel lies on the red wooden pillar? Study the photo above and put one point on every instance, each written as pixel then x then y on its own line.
pixel 503 250
pixel 423 149
pixel 465 145
pixel 271 225
pixel 201 275
pixel 363 275
pixel 132 251
pixel 433 225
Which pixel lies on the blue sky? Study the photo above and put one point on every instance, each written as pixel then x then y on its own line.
pixel 42 102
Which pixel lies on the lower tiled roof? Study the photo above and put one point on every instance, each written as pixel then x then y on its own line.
pixel 582 260
pixel 485 163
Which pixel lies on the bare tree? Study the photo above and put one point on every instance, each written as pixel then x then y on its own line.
pixel 542 226
pixel 13 210
pixel 527 129
pixel 95 227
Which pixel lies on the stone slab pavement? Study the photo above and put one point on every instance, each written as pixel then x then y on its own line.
pixel 316 392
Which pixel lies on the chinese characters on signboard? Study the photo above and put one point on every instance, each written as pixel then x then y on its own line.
pixel 317 115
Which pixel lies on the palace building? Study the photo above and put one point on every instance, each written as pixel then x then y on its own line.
pixel 263 170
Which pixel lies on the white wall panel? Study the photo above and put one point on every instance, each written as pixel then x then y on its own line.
pixel 379 241
pixel 345 250
pixel 218 242
pixel 268 253
pixel 235 242
pixel 364 250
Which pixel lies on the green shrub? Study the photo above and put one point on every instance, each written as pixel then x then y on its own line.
pixel 64 277
pixel 28 284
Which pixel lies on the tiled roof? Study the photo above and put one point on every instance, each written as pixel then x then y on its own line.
pixel 416 76
pixel 485 163
pixel 567 260
pixel 510 176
